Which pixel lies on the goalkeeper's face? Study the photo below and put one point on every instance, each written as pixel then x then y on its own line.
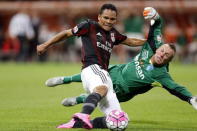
pixel 163 55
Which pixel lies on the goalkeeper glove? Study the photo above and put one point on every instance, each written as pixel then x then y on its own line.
pixel 150 13
pixel 193 101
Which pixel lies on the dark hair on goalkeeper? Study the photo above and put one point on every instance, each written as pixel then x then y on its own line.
pixel 172 46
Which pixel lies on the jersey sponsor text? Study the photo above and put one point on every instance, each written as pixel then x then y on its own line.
pixel 139 70
pixel 106 47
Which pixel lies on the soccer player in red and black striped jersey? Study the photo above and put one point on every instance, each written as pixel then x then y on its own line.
pixel 98 39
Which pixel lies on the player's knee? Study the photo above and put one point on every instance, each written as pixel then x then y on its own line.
pixel 102 90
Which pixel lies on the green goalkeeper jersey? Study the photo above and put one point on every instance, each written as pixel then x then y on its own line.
pixel 136 76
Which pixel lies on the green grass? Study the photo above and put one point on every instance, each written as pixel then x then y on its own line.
pixel 27 105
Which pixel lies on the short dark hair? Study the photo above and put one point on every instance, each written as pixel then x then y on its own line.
pixel 108 6
pixel 172 46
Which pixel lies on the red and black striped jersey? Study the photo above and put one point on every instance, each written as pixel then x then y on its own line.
pixel 97 43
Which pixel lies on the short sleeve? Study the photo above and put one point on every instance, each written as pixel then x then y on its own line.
pixel 119 38
pixel 81 28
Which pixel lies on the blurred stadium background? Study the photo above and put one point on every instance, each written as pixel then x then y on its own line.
pixel 27 105
pixel 46 18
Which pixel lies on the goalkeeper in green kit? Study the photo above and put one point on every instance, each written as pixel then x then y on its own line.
pixel 137 76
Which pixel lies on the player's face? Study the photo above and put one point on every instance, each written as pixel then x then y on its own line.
pixel 163 55
pixel 107 19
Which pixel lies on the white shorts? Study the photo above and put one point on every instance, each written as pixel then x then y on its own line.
pixel 93 76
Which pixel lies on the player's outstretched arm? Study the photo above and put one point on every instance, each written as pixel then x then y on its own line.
pixel 149 13
pixel 52 82
pixel 155 35
pixel 134 42
pixel 57 38
pixel 183 94
pixel 174 88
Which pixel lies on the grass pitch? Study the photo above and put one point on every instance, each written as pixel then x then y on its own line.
pixel 26 104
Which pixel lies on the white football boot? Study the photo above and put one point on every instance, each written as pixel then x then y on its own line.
pixel 54 81
pixel 71 101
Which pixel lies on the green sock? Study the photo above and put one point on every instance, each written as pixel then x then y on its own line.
pixel 81 98
pixel 74 78
pixel 67 79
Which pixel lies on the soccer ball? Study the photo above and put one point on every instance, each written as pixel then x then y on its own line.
pixel 117 120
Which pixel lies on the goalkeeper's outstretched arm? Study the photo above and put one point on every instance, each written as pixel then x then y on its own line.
pixel 179 91
pixel 154 35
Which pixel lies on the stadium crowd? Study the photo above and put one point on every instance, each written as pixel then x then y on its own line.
pixel 22 31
